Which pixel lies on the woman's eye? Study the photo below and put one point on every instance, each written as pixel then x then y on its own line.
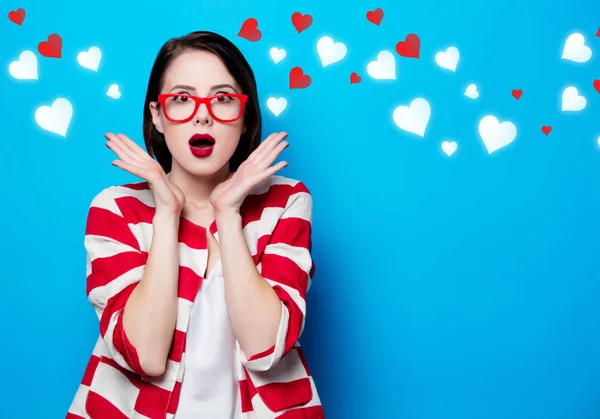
pixel 183 98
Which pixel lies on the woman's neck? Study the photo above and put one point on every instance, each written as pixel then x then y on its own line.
pixel 197 189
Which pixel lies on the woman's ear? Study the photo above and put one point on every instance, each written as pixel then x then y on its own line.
pixel 156 119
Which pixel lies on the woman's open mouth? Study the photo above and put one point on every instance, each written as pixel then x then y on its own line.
pixel 201 145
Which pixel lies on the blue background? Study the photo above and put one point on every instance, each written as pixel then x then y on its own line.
pixel 462 287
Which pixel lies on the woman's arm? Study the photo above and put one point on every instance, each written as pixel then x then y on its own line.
pixel 254 308
pixel 267 310
pixel 134 293
pixel 150 313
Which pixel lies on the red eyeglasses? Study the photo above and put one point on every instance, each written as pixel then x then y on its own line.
pixel 179 107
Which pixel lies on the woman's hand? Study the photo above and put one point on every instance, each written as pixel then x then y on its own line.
pixel 230 194
pixel 168 198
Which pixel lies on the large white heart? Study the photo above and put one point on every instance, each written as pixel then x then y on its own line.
pixel 90 58
pixel 576 50
pixel 413 118
pixel 572 101
pixel 329 51
pixel 496 135
pixel 55 118
pixel 277 54
pixel 25 68
pixel 384 68
pixel 448 59
pixel 276 105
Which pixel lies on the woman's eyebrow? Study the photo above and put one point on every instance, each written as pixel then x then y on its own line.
pixel 220 86
pixel 192 88
pixel 183 86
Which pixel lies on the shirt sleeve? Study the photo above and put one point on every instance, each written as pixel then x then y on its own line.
pixel 287 265
pixel 115 265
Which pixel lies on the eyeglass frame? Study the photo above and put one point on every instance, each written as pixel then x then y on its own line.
pixel 198 100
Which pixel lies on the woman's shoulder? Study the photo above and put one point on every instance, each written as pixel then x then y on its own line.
pixel 115 197
pixel 284 193
pixel 281 185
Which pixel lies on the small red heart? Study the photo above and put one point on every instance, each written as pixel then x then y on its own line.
pixel 17 16
pixel 375 16
pixel 597 85
pixel 517 93
pixel 598 33
pixel 249 30
pixel 546 129
pixel 299 80
pixel 301 22
pixel 52 48
pixel 410 47
pixel 355 78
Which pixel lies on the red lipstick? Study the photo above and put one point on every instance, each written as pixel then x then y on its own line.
pixel 201 145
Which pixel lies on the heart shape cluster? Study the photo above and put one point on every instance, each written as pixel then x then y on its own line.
pixel 415 116
pixel 55 117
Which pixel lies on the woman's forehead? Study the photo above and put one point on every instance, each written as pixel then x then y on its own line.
pixel 200 69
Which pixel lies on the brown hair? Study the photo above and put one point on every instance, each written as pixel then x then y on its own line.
pixel 239 68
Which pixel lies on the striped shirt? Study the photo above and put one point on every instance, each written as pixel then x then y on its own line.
pixel 277 222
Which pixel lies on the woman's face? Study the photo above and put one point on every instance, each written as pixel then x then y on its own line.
pixel 199 73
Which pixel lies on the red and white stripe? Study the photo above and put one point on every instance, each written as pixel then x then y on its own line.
pixel 276 220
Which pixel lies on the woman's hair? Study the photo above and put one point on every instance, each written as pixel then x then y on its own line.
pixel 240 70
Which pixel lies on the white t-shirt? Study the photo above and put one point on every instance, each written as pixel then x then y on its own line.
pixel 210 387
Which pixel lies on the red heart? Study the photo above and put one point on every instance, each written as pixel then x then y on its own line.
pixel 299 80
pixel 375 16
pixel 517 93
pixel 597 85
pixel 355 78
pixel 249 30
pixel 410 47
pixel 17 16
pixel 301 22
pixel 598 33
pixel 51 48
pixel 546 129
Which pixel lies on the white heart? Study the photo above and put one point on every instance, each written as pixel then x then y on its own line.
pixel 276 105
pixel 496 135
pixel 448 59
pixel 449 147
pixel 277 54
pixel 472 92
pixel 576 50
pixel 571 101
pixel 329 51
pixel 384 67
pixel 90 59
pixel 413 118
pixel 113 91
pixel 55 118
pixel 25 68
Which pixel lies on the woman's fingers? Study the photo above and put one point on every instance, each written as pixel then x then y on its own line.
pixel 256 153
pixel 272 170
pixel 134 148
pixel 268 156
pixel 134 170
pixel 123 155
pixel 271 149
pixel 124 147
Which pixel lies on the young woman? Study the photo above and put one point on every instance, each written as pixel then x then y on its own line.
pixel 199 272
